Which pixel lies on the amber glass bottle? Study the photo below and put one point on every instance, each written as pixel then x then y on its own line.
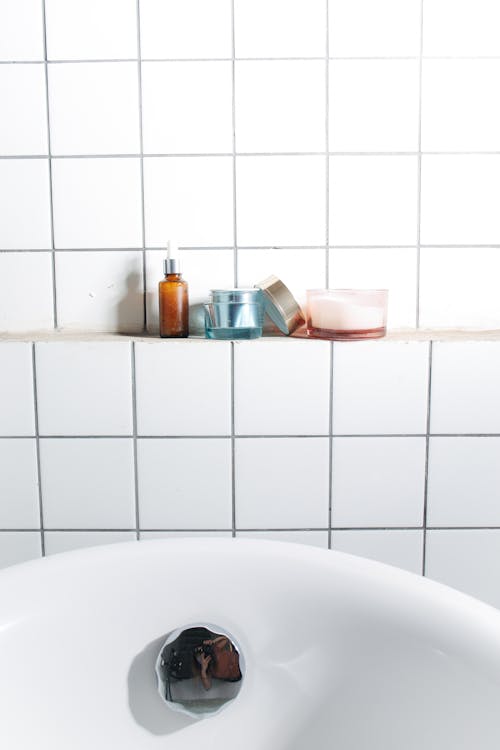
pixel 174 302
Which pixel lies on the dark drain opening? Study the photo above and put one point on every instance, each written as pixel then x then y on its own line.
pixel 199 670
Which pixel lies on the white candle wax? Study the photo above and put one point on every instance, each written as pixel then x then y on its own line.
pixel 340 315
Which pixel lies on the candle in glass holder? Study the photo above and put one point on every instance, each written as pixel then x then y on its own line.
pixel 346 313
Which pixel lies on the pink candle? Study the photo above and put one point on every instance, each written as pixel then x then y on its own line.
pixel 346 313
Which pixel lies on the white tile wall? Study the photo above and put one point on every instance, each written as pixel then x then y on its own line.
pixel 380 389
pixel 159 438
pixel 17 413
pixel 22 91
pixel 465 382
pixel 281 482
pixel 378 481
pixel 19 508
pixel 280 389
pixel 265 138
pixel 402 548
pixel 194 113
pixel 84 388
pixel 97 203
pixel 467 560
pixel 185 484
pixel 291 93
pixel 183 390
pixel 353 129
pixel 87 483
pixel 94 108
pixel 464 481
pixel 374 105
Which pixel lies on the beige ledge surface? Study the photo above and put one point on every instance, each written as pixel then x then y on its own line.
pixel 404 335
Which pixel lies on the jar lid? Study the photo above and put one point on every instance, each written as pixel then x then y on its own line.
pixel 280 304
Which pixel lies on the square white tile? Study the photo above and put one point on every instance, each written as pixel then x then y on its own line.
pixel 468 297
pixel 94 108
pixel 392 268
pixel 374 105
pixel 458 111
pixel 459 199
pixel 281 483
pixel 380 387
pixel 189 199
pixel 202 269
pixel 145 535
pixel 24 192
pixel 19 546
pixel 466 28
pixel 84 388
pixel 187 107
pixel 281 387
pixel 279 28
pixel 19 507
pixel 185 484
pixel 299 269
pixel 100 291
pixel 378 481
pixel 387 28
pixel 65 541
pixel 183 388
pixel 97 203
pixel 21 30
pixel 464 397
pixel 22 92
pixel 91 29
pixel 466 560
pixel 397 547
pixel 280 105
pixel 373 200
pixel 185 29
pixel 281 200
pixel 464 481
pixel 17 408
pixel 312 538
pixel 26 299
pixel 87 483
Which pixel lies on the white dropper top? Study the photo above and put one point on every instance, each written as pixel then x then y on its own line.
pixel 171 264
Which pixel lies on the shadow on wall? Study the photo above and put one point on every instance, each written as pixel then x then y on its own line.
pixel 145 703
pixel 129 307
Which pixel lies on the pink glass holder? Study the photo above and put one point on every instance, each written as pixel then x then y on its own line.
pixel 346 314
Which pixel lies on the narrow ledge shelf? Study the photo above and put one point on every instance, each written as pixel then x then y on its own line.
pixel 402 335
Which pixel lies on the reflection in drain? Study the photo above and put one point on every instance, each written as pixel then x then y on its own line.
pixel 199 670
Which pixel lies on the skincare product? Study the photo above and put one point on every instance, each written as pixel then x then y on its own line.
pixel 173 298
pixel 346 313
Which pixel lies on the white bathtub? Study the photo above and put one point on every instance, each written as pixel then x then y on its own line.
pixel 339 652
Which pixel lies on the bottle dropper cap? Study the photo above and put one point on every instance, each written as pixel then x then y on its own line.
pixel 171 265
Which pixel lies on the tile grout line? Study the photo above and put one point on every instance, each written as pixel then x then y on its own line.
pixel 419 163
pixel 346 436
pixel 49 163
pixel 327 147
pixel 327 266
pixel 426 466
pixel 245 59
pixel 141 162
pixel 134 428
pixel 244 154
pixel 263 530
pixel 37 447
pixel 233 447
pixel 330 445
pixel 227 248
pixel 233 116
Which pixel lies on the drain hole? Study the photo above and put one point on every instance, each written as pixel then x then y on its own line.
pixel 199 670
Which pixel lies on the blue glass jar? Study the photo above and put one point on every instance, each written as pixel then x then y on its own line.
pixel 234 314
